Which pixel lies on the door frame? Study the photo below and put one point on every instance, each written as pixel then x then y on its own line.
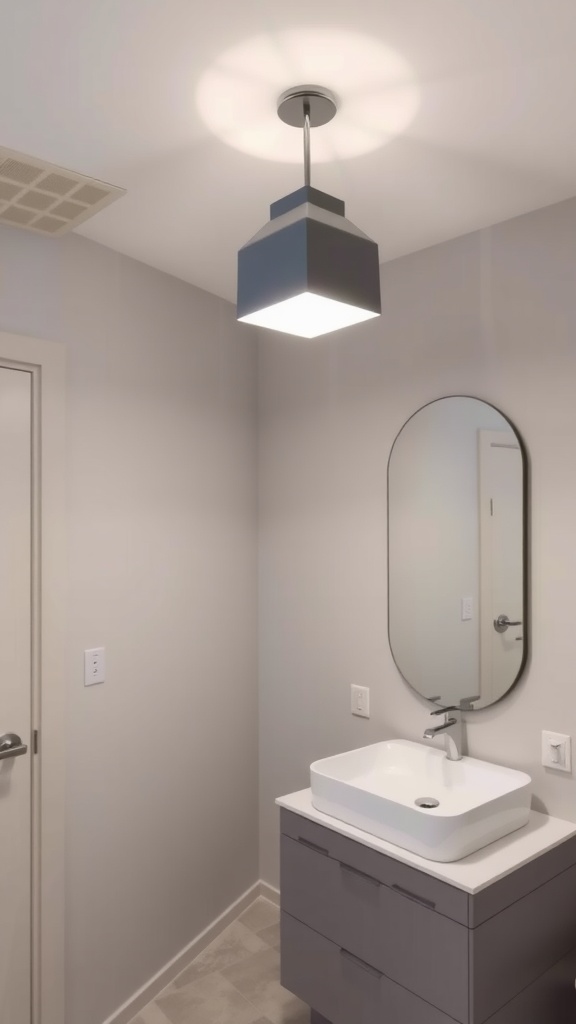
pixel 488 439
pixel 45 360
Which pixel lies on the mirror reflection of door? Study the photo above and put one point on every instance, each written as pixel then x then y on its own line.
pixel 456 552
pixel 501 518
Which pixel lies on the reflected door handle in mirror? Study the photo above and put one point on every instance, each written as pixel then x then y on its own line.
pixel 502 622
pixel 11 746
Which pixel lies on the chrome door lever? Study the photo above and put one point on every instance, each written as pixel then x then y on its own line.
pixel 502 622
pixel 11 746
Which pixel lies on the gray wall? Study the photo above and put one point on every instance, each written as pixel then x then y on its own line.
pixel 161 474
pixel 492 314
pixel 162 759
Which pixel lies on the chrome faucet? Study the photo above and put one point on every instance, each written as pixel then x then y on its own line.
pixel 451 727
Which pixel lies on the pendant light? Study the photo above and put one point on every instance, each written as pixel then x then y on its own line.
pixel 309 271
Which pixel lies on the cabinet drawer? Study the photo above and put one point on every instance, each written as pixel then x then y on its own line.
pixel 343 988
pixel 397 933
pixel 447 899
pixel 548 1000
pixel 518 945
pixel 502 894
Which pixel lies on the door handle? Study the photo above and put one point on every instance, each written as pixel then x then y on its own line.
pixel 11 746
pixel 502 622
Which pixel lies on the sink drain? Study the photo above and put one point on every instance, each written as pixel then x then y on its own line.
pixel 427 801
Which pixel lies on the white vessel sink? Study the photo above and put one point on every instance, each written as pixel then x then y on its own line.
pixel 379 789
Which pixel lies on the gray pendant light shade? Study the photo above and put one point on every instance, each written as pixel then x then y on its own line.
pixel 309 270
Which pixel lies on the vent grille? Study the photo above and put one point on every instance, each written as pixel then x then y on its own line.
pixel 34 200
pixel 89 194
pixel 8 191
pixel 58 184
pixel 50 224
pixel 17 216
pixel 17 170
pixel 51 200
pixel 68 209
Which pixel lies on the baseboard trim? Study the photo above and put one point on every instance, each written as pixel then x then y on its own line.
pixel 269 892
pixel 171 970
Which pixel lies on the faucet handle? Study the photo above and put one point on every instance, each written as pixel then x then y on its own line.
pixel 442 711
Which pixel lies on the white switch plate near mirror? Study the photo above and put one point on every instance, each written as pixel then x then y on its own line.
pixel 556 751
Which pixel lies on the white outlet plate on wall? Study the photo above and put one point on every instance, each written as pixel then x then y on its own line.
pixel 557 751
pixel 94 666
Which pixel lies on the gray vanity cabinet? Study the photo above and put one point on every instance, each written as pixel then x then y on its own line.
pixel 366 939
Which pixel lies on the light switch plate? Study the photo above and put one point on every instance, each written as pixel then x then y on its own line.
pixel 94 666
pixel 360 701
pixel 557 751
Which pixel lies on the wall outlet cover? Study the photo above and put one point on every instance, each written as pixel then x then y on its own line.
pixel 94 666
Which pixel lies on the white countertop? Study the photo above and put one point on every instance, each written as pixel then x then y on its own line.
pixel 473 873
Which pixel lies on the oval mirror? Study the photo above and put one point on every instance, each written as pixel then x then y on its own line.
pixel 457 553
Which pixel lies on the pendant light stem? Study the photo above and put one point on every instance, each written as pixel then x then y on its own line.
pixel 306 143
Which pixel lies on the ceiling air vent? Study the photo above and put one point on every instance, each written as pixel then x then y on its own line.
pixel 47 199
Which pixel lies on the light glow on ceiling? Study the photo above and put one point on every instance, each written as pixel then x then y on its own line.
pixel 308 315
pixel 378 96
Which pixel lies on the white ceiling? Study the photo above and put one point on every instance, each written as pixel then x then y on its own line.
pixel 111 88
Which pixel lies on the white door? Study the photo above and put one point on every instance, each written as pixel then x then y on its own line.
pixel 15 695
pixel 501 561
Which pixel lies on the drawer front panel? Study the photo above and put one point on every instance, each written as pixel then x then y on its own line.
pixel 551 999
pixel 521 883
pixel 343 988
pixel 400 936
pixel 515 947
pixel 447 899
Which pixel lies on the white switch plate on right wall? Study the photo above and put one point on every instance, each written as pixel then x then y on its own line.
pixel 557 751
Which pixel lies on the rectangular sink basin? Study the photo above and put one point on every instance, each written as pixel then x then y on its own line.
pixel 411 795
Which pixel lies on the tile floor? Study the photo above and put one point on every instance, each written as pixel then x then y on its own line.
pixel 235 980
